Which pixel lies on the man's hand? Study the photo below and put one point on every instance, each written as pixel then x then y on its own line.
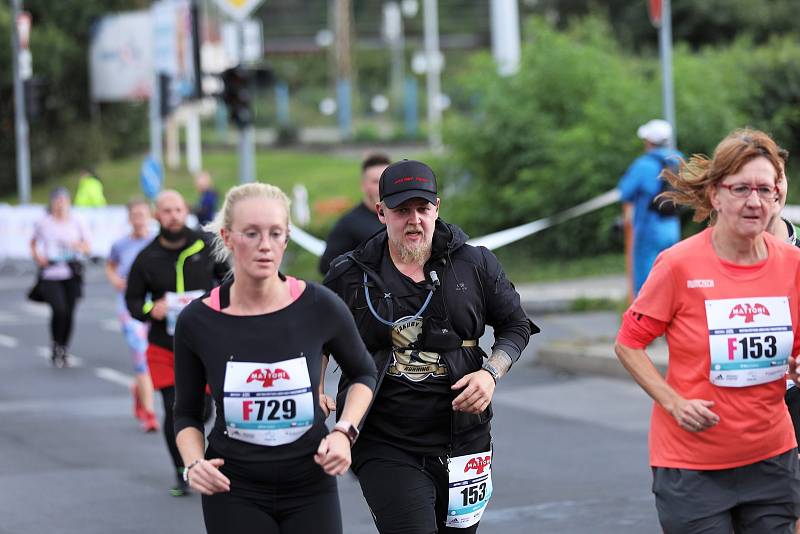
pixel 694 415
pixel 119 283
pixel 793 376
pixel 159 310
pixel 478 390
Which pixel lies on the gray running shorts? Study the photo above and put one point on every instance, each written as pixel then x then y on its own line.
pixel 759 498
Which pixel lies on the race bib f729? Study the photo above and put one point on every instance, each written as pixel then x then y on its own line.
pixel 268 404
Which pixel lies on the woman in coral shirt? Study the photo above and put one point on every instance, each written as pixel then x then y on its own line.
pixel 722 447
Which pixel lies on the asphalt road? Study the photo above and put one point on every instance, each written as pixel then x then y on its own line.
pixel 570 451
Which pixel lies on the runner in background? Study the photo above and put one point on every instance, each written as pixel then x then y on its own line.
pixel 60 242
pixel 722 449
pixel 655 228
pixel 785 230
pixel 361 222
pixel 172 270
pixel 206 205
pixel 258 342
pixel 119 262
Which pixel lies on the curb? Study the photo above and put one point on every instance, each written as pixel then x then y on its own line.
pixel 595 357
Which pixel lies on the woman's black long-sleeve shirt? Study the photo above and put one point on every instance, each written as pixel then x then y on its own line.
pixel 208 344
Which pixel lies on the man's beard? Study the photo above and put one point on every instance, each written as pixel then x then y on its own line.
pixel 417 254
pixel 173 237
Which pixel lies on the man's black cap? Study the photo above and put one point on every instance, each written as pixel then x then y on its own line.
pixel 407 179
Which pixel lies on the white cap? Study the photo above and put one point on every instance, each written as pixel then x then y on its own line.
pixel 657 131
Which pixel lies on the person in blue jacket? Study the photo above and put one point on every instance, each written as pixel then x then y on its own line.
pixel 653 229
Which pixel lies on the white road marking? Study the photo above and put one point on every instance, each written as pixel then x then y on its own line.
pixel 8 341
pixel 110 325
pixel 114 376
pixel 38 310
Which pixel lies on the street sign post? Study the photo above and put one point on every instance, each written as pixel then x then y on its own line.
pixel 654 9
pixel 20 120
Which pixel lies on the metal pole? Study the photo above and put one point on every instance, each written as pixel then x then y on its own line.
pixel 247 134
pixel 156 141
pixel 247 160
pixel 433 69
pixel 665 50
pixel 20 120
pixel 344 67
pixel 505 36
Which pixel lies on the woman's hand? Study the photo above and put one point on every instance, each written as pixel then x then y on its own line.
pixel 206 478
pixel 694 415
pixel 327 404
pixel 333 454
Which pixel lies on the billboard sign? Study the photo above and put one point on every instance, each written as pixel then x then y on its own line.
pixel 121 57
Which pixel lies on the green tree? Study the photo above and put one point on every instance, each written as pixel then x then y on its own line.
pixel 563 129
pixel 64 135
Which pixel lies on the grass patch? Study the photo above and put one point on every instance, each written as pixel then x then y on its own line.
pixel 589 304
pixel 524 269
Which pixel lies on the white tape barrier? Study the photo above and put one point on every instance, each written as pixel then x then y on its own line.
pixel 312 244
pixel 791 213
pixel 492 241
pixel 110 223
pixel 505 237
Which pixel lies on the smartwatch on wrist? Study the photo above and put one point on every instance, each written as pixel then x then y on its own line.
pixel 489 368
pixel 348 429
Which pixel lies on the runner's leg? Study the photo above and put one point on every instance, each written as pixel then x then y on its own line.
pixel 226 513
pixel 713 496
pixel 770 491
pixel 438 469
pixel 314 509
pixel 168 396
pixel 54 294
pixel 72 292
pixel 400 495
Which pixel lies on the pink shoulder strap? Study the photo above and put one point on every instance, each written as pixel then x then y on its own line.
pixel 213 299
pixel 294 287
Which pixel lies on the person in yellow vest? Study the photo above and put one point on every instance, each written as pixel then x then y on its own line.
pixel 90 191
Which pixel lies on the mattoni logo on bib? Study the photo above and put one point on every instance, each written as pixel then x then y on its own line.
pixel 478 464
pixel 748 311
pixel 267 377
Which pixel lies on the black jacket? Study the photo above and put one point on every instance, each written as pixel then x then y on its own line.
pixel 474 292
pixel 156 270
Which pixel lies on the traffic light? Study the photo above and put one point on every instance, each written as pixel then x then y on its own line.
pixel 165 95
pixel 237 95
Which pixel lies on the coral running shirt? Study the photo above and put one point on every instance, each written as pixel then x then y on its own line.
pixel 740 315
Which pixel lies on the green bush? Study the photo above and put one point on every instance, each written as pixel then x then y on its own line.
pixel 563 129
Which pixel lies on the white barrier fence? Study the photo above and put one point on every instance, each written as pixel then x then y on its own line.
pixel 105 225
pixel 111 222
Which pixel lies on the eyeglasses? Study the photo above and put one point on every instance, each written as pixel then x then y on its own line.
pixel 764 192
pixel 255 237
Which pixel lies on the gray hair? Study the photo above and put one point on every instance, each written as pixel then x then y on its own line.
pixel 224 217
